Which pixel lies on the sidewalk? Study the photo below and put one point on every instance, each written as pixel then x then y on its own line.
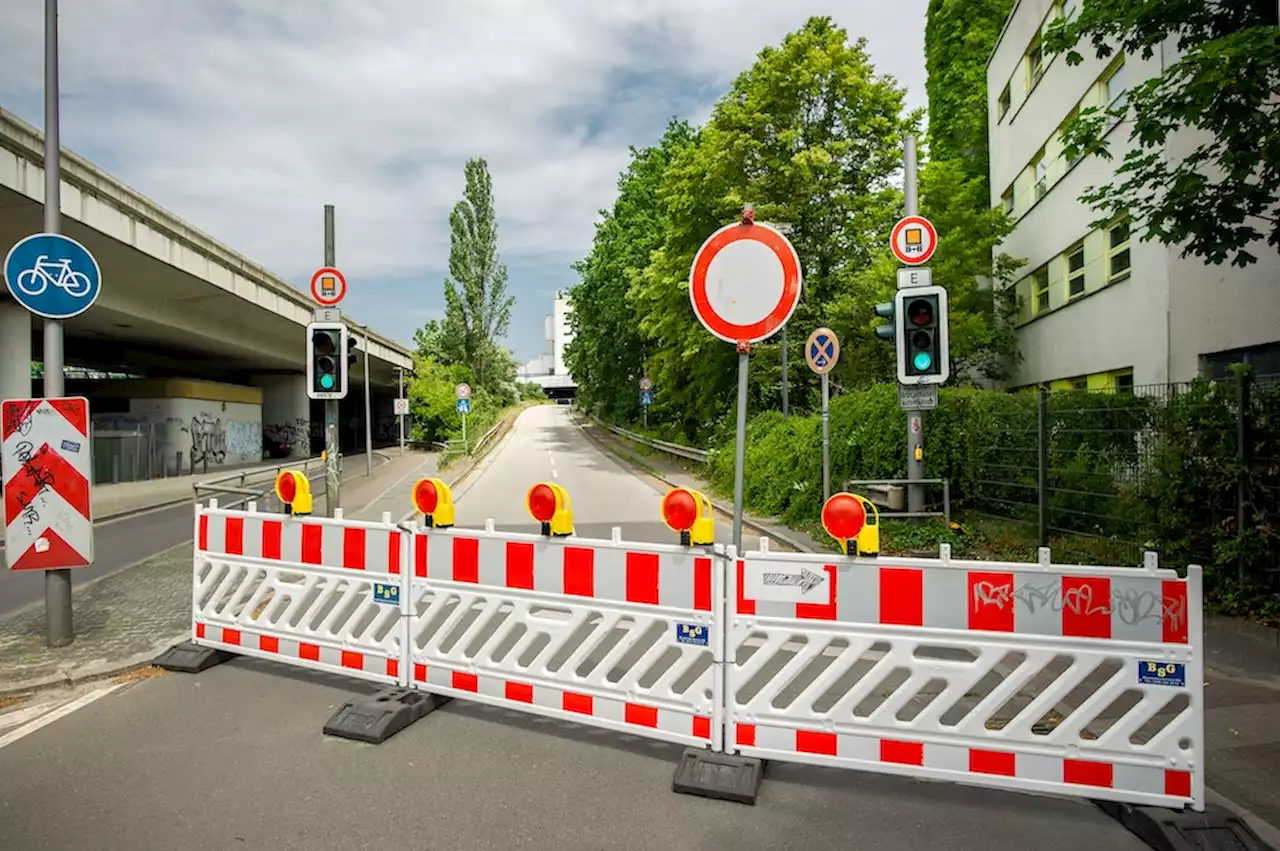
pixel 125 619
pixel 1242 670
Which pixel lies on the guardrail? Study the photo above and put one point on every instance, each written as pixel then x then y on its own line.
pixel 699 455
pixel 486 437
pixel 258 483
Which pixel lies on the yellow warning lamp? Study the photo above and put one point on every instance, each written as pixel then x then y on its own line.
pixel 433 499
pixel 844 516
pixel 549 505
pixel 869 537
pixel 689 513
pixel 294 491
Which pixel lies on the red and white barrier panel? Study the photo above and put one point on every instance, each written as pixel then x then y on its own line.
pixel 1038 677
pixel 620 635
pixel 318 593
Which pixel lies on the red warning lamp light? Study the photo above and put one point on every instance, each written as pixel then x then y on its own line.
pixel 843 516
pixel 286 488
pixel 542 503
pixel 679 509
pixel 425 496
pixel 294 492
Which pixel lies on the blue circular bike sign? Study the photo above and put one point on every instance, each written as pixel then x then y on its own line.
pixel 52 275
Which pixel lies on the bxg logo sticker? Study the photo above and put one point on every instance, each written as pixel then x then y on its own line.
pixel 691 633
pixel 386 594
pixel 1162 673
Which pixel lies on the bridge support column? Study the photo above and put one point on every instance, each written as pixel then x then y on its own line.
pixel 15 352
pixel 286 411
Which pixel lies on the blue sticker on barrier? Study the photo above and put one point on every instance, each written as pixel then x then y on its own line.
pixel 1162 673
pixel 691 633
pixel 70 446
pixel 389 594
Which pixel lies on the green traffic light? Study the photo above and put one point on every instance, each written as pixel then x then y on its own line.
pixel 922 361
pixel 326 382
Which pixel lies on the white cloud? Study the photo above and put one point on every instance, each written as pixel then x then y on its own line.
pixel 245 117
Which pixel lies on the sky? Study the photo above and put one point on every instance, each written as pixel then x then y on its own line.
pixel 245 117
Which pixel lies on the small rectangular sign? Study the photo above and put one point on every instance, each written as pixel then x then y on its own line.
pixel 917 397
pixel 386 594
pixel 691 633
pixel 763 580
pixel 402 407
pixel 463 406
pixel 326 314
pixel 916 276
pixel 1162 674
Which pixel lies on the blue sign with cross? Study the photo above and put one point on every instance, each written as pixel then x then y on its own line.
pixel 52 275
pixel 822 350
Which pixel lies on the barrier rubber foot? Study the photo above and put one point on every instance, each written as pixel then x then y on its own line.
pixel 374 718
pixel 1215 829
pixel 190 658
pixel 725 777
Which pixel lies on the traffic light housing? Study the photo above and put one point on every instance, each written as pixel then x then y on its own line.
pixel 885 310
pixel 326 371
pixel 922 336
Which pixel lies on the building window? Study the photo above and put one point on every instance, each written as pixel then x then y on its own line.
pixel 1080 383
pixel 1006 101
pixel 1040 289
pixel 1007 199
pixel 1264 359
pixel 1075 271
pixel 1114 84
pixel 1118 250
pixel 1035 64
pixel 1124 382
pixel 1071 116
pixel 1041 169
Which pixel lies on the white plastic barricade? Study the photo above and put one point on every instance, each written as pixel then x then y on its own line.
pixel 624 636
pixel 314 592
pixel 1084 681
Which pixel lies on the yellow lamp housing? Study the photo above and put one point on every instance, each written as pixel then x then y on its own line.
pixel 293 489
pixel 562 523
pixel 704 528
pixel 555 514
pixel 433 499
pixel 868 539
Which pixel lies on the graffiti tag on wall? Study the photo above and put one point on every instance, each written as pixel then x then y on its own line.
pixel 208 439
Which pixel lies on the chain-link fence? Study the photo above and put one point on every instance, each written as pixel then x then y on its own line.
pixel 1190 470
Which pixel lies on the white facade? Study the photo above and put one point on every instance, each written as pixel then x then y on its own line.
pixel 1099 308
pixel 557 329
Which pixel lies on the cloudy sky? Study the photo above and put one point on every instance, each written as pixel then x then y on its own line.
pixel 246 117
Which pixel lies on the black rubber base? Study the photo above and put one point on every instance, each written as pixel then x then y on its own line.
pixel 190 658
pixel 1215 829
pixel 720 776
pixel 374 718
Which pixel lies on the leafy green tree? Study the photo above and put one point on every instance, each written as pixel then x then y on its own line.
pixel 477 307
pixel 811 136
pixel 1218 97
pixel 608 351
pixel 430 340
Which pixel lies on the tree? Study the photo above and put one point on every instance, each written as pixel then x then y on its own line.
pixel 431 342
pixel 477 307
pixel 608 351
pixel 1219 97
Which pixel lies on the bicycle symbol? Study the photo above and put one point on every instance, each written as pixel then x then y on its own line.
pixel 59 273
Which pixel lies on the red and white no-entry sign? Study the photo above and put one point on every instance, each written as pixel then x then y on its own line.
pixel 328 286
pixel 914 240
pixel 46 464
pixel 745 282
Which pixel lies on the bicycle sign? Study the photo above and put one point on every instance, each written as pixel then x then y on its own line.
pixel 52 275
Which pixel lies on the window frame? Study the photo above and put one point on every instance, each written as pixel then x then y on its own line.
pixel 1004 102
pixel 1040 183
pixel 1071 275
pixel 1039 292
pixel 1113 249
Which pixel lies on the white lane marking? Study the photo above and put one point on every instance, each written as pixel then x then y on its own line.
pixel 60 712
pixel 554 474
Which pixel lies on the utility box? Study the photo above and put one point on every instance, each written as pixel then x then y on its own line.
pixel 892 497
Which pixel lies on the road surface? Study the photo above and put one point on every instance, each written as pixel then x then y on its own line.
pixel 121 542
pixel 234 757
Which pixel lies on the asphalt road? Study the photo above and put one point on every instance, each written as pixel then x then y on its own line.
pixel 125 541
pixel 235 758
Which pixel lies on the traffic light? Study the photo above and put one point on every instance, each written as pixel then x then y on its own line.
pixel 351 351
pixel 922 337
pixel 326 373
pixel 885 311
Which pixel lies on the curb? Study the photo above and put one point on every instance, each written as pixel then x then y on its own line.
pixel 725 510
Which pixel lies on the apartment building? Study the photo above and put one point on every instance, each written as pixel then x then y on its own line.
pixel 1097 307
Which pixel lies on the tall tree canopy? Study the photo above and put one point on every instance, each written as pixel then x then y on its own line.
pixel 1219 96
pixel 477 307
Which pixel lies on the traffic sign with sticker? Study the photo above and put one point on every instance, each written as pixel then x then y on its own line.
pixel 328 286
pixel 463 391
pixel 822 351
pixel 745 282
pixel 914 239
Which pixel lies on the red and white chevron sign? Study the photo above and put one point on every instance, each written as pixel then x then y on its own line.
pixel 45 461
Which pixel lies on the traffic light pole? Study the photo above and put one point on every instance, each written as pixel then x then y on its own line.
pixel 332 479
pixel 59 630
pixel 915 419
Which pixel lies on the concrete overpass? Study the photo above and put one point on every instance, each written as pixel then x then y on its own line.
pixel 175 303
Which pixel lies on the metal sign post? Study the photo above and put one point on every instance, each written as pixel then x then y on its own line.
pixel 724 269
pixel 463 392
pixel 915 418
pixel 368 409
pixel 402 408
pixel 822 351
pixel 332 476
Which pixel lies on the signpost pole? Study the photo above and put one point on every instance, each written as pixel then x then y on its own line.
pixel 332 479
pixel 826 441
pixel 915 419
pixel 740 443
pixel 464 431
pixel 401 369
pixel 57 583
pixel 368 415
pixel 786 412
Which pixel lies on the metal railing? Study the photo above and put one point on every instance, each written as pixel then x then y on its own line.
pixel 878 491
pixel 486 437
pixel 258 484
pixel 699 455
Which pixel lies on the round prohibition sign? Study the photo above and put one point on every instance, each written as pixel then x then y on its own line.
pixel 914 239
pixel 463 391
pixel 328 286
pixel 646 384
pixel 745 282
